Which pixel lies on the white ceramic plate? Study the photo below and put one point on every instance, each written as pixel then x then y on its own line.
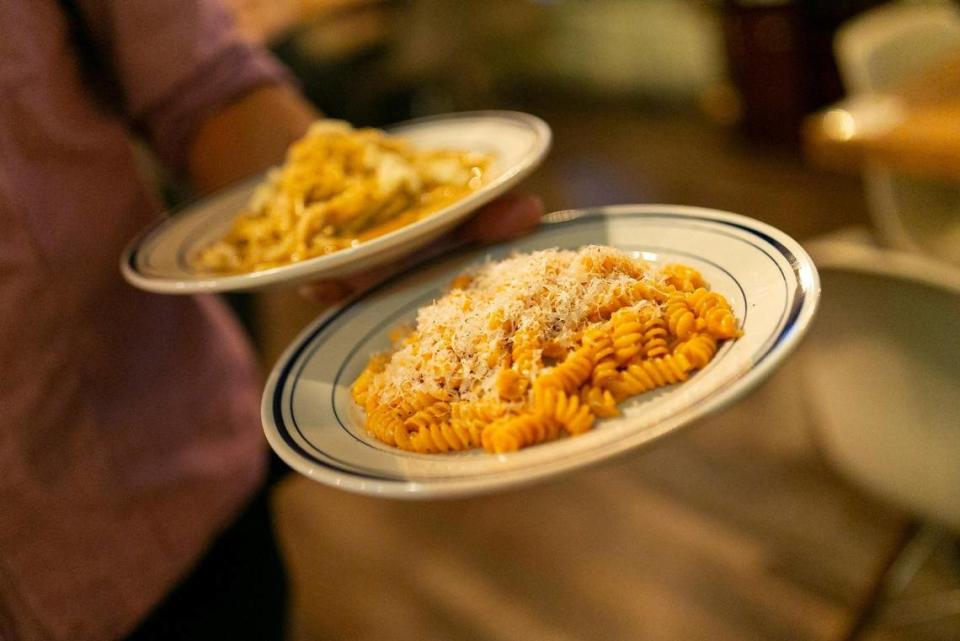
pixel 312 423
pixel 159 259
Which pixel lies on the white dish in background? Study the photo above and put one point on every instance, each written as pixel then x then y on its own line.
pixel 159 259
pixel 311 421
pixel 883 393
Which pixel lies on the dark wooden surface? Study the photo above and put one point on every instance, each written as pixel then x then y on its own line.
pixel 732 529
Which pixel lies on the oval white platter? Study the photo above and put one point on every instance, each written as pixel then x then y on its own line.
pixel 312 423
pixel 159 260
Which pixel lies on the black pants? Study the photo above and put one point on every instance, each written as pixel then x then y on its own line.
pixel 238 591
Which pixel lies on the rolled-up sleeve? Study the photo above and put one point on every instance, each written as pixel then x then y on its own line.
pixel 177 61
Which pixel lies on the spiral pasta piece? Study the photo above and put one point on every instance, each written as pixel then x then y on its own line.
pixel 721 323
pixel 628 334
pixel 511 385
pixel 601 401
pixel 606 265
pixel 438 438
pixel 468 432
pixel 655 335
pixel 699 350
pixel 409 405
pixel 604 372
pixel 422 441
pixel 599 339
pixel 383 423
pixel 682 277
pixel 702 300
pixel 523 352
pixel 567 411
pixel 515 432
pixel 651 374
pixel 680 318
pixel 641 290
pixel 434 413
pixel 571 373
pixel 361 386
pixel 468 420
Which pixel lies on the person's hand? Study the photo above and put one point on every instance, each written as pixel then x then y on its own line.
pixel 505 218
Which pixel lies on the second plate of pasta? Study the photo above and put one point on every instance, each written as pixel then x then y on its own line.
pixel 601 332
pixel 344 200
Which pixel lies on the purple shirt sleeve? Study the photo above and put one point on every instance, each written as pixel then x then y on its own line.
pixel 177 61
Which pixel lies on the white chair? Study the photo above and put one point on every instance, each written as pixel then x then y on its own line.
pixel 876 52
pixel 882 375
pixel 880 372
pixel 880 368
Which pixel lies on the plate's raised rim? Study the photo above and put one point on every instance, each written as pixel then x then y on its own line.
pixel 797 325
pixel 321 265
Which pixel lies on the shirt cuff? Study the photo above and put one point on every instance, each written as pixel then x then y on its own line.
pixel 236 70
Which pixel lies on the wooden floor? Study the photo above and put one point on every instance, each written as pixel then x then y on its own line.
pixel 733 529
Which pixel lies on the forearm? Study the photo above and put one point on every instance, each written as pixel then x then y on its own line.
pixel 247 136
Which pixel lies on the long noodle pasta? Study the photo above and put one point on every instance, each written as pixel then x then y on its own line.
pixel 338 187
pixel 538 346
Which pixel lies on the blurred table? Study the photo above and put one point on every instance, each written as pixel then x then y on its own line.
pixel 913 129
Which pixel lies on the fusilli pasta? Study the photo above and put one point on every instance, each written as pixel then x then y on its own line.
pixel 539 346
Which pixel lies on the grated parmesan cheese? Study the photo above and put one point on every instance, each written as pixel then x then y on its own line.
pixel 456 346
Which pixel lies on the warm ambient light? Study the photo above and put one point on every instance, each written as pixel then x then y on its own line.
pixel 839 124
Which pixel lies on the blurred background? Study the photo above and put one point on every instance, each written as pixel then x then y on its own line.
pixel 755 523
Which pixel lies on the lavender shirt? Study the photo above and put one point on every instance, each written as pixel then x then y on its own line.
pixel 129 428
